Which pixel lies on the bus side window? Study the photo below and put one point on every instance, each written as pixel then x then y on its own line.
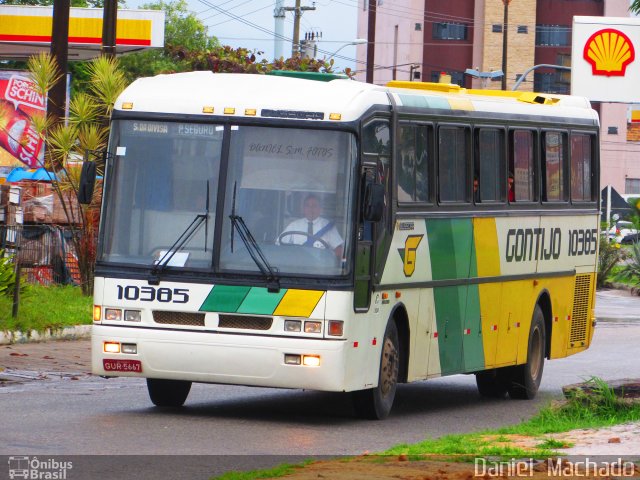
pixel 490 167
pixel 412 165
pixel 554 166
pixel 376 138
pixel 522 165
pixel 581 171
pixel 453 167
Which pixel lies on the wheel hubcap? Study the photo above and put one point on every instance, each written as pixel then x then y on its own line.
pixel 536 352
pixel 389 373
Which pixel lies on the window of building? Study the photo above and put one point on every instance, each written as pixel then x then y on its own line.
pixel 522 165
pixel 553 35
pixel 413 163
pixel 581 171
pixel 490 167
pixel 548 83
pixel 418 27
pixel 453 170
pixel 631 185
pixel 449 31
pixel 523 29
pixel 554 166
pixel 496 28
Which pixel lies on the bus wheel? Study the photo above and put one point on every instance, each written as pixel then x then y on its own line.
pixel 525 379
pixel 492 383
pixel 168 393
pixel 376 403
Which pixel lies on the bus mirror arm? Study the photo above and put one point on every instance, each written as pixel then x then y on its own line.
pixel 373 204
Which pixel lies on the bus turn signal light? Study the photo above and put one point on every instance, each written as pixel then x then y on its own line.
pixel 111 347
pixel 311 360
pixel 336 328
pixel 97 313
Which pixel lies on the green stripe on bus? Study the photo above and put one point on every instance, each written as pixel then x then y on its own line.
pixel 224 298
pixel 453 256
pixel 260 302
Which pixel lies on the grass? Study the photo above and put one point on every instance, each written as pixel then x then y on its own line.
pixel 42 307
pixel 600 408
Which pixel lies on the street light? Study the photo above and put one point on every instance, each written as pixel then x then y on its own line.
pixel 484 76
pixel 357 41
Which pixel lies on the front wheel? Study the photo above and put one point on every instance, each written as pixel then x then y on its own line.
pixel 376 403
pixel 525 379
pixel 168 393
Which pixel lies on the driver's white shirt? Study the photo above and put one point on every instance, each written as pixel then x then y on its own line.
pixel 332 237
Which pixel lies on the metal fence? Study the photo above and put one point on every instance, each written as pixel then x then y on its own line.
pixel 44 253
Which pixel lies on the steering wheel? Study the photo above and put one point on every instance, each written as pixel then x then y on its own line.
pixel 305 234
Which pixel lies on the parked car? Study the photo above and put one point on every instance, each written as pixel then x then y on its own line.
pixel 623 232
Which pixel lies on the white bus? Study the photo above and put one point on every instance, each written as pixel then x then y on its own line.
pixel 340 236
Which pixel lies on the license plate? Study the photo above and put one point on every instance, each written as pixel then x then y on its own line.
pixel 122 365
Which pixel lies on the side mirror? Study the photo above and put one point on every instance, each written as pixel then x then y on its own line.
pixel 373 205
pixel 87 182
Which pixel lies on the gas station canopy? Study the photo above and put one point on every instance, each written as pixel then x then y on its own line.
pixel 26 30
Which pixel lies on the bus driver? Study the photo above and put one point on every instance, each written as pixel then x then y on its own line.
pixel 312 229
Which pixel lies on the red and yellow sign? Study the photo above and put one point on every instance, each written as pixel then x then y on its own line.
pixel 609 51
pixel 31 28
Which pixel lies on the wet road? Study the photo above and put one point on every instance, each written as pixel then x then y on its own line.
pixel 80 415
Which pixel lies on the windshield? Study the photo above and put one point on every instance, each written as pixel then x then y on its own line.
pixel 291 188
pixel 158 184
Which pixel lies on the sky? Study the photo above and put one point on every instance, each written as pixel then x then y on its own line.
pixel 335 19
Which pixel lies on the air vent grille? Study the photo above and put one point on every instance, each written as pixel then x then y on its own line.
pixel 580 316
pixel 179 318
pixel 245 322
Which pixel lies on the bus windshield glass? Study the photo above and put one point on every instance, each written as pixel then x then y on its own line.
pixel 291 187
pixel 158 184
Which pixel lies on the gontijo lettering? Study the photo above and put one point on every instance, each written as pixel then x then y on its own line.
pixel 530 244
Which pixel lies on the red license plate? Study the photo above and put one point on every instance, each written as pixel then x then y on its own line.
pixel 122 365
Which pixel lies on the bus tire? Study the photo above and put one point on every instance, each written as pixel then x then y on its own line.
pixel 376 403
pixel 168 393
pixel 492 383
pixel 525 379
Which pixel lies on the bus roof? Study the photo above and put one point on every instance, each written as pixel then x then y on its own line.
pixel 242 95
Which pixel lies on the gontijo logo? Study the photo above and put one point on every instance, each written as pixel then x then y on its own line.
pixel 609 51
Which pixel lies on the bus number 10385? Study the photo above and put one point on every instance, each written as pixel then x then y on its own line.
pixel 151 294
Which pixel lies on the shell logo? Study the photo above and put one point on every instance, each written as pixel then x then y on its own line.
pixel 609 51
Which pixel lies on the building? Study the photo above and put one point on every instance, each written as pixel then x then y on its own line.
pixel 422 39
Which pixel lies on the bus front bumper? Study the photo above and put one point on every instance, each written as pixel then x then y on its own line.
pixel 212 357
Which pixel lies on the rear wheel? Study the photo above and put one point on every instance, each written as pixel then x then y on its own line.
pixel 376 403
pixel 525 379
pixel 492 383
pixel 168 393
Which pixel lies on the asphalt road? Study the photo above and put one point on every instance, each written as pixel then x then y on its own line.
pixel 254 427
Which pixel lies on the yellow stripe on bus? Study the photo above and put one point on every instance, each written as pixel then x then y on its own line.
pixel 485 238
pixel 298 303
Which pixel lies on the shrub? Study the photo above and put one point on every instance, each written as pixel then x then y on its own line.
pixel 608 257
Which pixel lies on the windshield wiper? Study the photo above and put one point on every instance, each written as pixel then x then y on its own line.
pixel 181 241
pixel 256 253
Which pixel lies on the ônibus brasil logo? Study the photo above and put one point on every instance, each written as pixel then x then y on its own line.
pixel 34 468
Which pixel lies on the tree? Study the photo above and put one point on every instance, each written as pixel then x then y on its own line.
pixel 85 129
pixel 635 7
pixel 184 34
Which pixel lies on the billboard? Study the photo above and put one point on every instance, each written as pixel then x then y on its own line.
pixel 20 144
pixel 605 59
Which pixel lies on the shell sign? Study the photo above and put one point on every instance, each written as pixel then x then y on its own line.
pixel 609 51
pixel 604 66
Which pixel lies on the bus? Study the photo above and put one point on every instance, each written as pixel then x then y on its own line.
pixel 460 235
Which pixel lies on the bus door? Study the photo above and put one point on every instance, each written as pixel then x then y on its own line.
pixel 373 237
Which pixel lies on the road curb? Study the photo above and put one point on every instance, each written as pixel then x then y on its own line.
pixel 67 333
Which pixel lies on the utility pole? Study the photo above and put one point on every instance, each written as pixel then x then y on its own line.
pixel 371 39
pixel 57 95
pixel 297 14
pixel 109 20
pixel 504 43
pixel 278 17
